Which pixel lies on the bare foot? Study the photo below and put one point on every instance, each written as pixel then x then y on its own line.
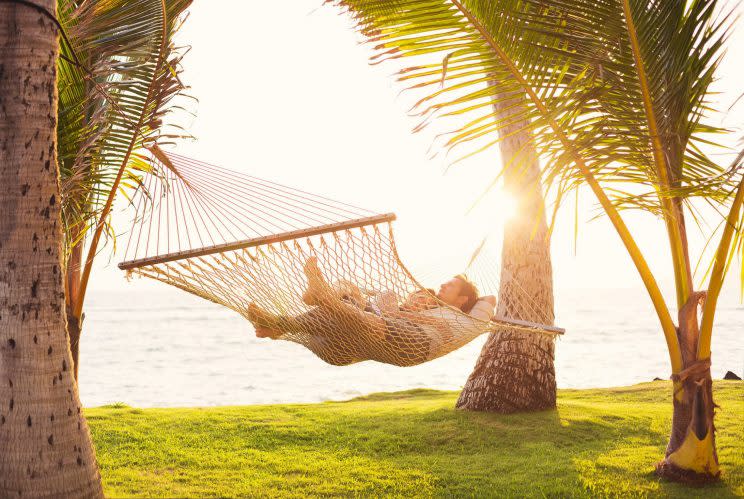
pixel 262 319
pixel 310 298
pixel 317 288
pixel 265 332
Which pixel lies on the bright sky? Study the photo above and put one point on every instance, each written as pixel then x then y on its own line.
pixel 286 93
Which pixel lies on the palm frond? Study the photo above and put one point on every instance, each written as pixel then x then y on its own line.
pixel 577 57
pixel 613 91
pixel 115 102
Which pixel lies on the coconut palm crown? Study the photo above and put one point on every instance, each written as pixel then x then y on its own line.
pixel 617 95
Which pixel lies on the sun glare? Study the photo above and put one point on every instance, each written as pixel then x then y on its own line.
pixel 505 206
pixel 497 208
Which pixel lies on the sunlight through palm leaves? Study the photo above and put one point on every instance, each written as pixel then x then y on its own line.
pixel 616 93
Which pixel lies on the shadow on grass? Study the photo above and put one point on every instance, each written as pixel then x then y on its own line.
pixel 406 443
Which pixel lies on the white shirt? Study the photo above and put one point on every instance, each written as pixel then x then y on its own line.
pixel 453 328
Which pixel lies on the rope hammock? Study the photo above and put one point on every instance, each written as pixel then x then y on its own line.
pixel 305 268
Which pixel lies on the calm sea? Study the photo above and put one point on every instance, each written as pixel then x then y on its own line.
pixel 153 346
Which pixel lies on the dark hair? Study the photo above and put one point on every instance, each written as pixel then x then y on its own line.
pixel 469 291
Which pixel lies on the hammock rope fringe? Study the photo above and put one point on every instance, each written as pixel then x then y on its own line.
pixel 302 267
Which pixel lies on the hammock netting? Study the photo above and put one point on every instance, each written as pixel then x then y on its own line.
pixel 300 267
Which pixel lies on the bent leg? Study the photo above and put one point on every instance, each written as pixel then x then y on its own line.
pixel 266 324
pixel 318 290
pixel 339 317
pixel 322 295
pixel 320 332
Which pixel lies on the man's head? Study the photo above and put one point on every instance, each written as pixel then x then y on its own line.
pixel 459 292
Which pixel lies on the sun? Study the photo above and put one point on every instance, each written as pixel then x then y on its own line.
pixel 505 205
pixel 497 207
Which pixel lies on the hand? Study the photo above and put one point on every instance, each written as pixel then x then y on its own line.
pixel 490 299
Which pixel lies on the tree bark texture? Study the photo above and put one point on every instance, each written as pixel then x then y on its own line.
pixel 515 371
pixel 72 295
pixel 45 444
pixel 691 455
pixel 74 330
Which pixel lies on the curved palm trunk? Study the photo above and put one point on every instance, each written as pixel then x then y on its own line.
pixel 72 289
pixel 515 371
pixel 45 445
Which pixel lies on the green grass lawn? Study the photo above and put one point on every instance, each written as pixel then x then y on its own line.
pixel 598 443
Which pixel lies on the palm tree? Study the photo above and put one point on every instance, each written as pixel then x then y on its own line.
pixel 616 93
pixel 119 76
pixel 46 445
pixel 516 371
pixel 497 383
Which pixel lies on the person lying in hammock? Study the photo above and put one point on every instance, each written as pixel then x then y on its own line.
pixel 342 329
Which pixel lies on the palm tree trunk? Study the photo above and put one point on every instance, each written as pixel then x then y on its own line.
pixel 691 455
pixel 74 325
pixel 45 445
pixel 515 371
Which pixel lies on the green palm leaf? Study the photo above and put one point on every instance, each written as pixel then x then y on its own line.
pixel 578 59
pixel 615 92
pixel 116 103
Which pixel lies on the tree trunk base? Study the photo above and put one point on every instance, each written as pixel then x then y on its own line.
pixel 515 373
pixel 670 471
pixel 691 456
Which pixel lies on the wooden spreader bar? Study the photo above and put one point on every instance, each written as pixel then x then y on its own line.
pixel 527 324
pixel 257 241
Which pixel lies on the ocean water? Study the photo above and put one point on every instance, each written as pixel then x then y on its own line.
pixel 148 345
